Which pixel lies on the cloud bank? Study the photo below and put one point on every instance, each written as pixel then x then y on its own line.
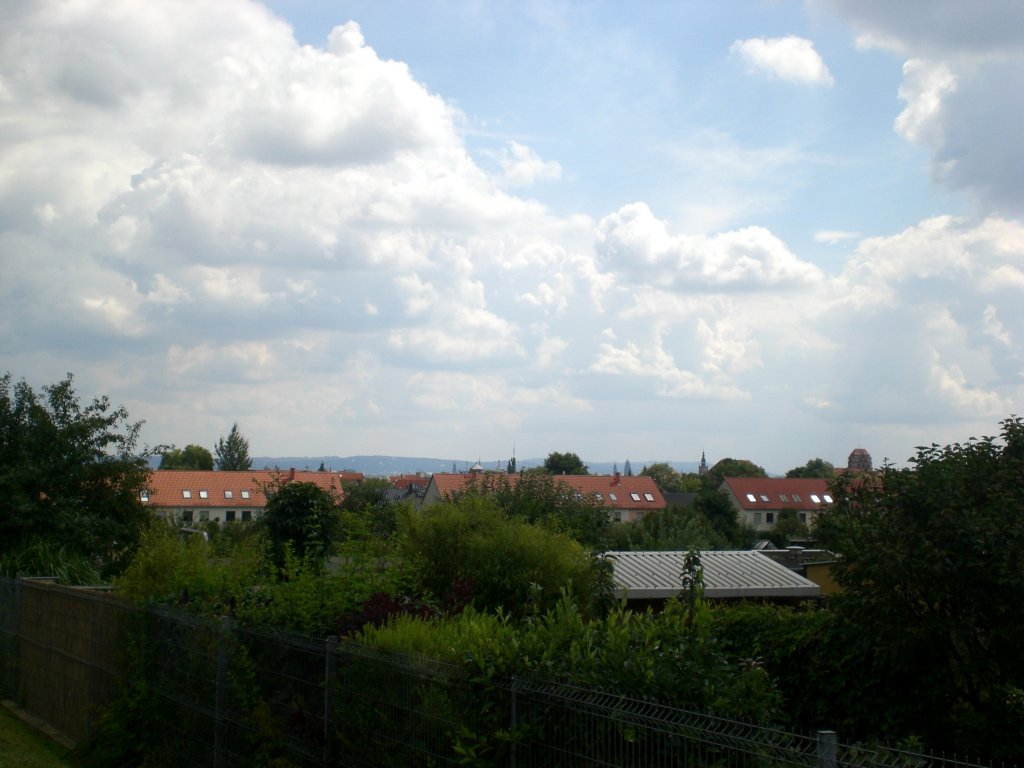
pixel 212 222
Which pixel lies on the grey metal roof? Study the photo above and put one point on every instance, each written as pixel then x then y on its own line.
pixel 727 574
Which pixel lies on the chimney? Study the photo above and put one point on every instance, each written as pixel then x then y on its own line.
pixel 291 474
pixel 616 478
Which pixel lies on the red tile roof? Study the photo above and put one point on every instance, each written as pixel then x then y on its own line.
pixel 404 481
pixel 167 487
pixel 778 492
pixel 613 491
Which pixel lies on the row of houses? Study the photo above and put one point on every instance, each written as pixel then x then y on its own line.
pixel 223 497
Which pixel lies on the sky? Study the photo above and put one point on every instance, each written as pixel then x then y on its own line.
pixel 771 230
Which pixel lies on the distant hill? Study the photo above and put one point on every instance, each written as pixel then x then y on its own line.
pixel 398 465
pixel 379 466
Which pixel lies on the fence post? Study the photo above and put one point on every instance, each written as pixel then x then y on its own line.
pixel 330 672
pixel 826 749
pixel 222 689
pixel 513 722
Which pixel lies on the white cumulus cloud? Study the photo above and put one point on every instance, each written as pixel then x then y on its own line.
pixel 789 58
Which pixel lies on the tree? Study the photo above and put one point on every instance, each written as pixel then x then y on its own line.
pixel 367 511
pixel 732 468
pixel 189 457
pixel 470 546
pixel 814 468
pixel 931 569
pixel 69 475
pixel 302 517
pixel 233 453
pixel 666 477
pixel 564 464
pixel 788 528
pixel 628 469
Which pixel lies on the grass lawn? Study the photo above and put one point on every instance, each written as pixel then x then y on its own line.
pixel 21 746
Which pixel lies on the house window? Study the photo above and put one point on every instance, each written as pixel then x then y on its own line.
pixel 229 494
pixel 186 494
pixel 649 496
pixel 803 518
pixel 245 494
pixel 757 518
pixel 186 516
pixel 635 496
pixel 229 516
pixel 204 495
pixel 204 515
pixel 769 517
pixel 246 515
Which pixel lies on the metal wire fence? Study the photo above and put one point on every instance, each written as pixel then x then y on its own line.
pixel 214 693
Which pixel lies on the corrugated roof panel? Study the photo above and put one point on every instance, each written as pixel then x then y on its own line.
pixel 727 574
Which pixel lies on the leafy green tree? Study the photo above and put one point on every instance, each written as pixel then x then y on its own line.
pixel 931 566
pixel 189 457
pixel 719 511
pixel 814 468
pixel 366 510
pixel 564 464
pixel 538 497
pixel 788 528
pixel 233 452
pixel 732 468
pixel 70 475
pixel 668 529
pixel 666 477
pixel 302 518
pixel 470 545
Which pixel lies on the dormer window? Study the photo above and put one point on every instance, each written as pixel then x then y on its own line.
pixel 649 496
pixel 229 494
pixel 764 497
pixel 204 495
pixel 144 496
pixel 245 494
pixel 751 497
pixel 815 499
pixel 186 494
pixel 635 496
pixel 613 497
pixel 828 499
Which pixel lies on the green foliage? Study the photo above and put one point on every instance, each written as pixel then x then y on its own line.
pixel 729 467
pixel 302 516
pixel 186 571
pixel 668 478
pixel 511 565
pixel 564 464
pixel 788 528
pixel 932 569
pixel 40 557
pixel 668 529
pixel 233 452
pixel 537 497
pixel 189 457
pixel 720 513
pixel 69 474
pixel 814 468
pixel 366 512
pixel 669 657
